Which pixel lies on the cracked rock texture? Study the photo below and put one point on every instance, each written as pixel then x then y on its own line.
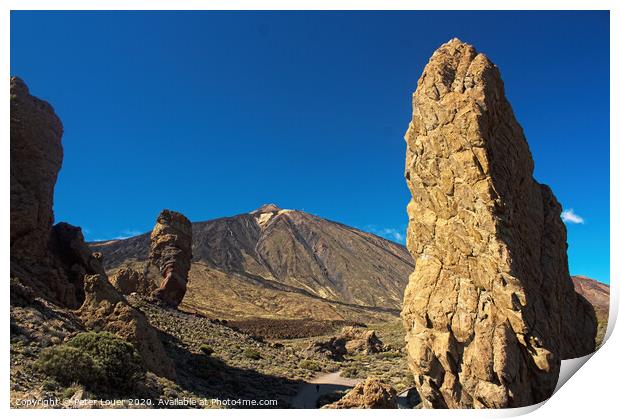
pixel 490 309
pixel 171 252
pixel 369 394
pixel 127 281
pixel 105 309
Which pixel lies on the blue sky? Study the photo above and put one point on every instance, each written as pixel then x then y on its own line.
pixel 215 113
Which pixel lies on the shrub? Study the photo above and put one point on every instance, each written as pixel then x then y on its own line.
pixel 350 372
pixel 389 354
pixel 69 392
pixel 67 364
pixel 310 365
pixel 252 354
pixel 206 349
pixel 99 361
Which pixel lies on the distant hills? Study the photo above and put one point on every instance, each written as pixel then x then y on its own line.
pixel 284 264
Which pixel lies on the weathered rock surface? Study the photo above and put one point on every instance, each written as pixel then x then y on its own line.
pixel 105 309
pixel 351 340
pixel 360 340
pixel 71 260
pixel 369 394
pixel 128 281
pixel 171 252
pixel 490 309
pixel 36 157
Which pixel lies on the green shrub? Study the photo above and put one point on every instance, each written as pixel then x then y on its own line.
pixel 350 372
pixel 206 349
pixel 67 364
pixel 252 354
pixel 69 392
pixel 49 385
pixel 389 354
pixel 99 361
pixel 310 365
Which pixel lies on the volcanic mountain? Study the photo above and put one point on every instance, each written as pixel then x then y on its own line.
pixel 282 264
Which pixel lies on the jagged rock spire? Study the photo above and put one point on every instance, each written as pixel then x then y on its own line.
pixel 490 309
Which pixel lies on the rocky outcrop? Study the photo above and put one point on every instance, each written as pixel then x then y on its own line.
pixel 52 268
pixel 360 340
pixel 171 252
pixel 128 281
pixel 36 157
pixel 105 309
pixel 369 394
pixel 331 348
pixel 70 260
pixel 490 309
pixel 351 340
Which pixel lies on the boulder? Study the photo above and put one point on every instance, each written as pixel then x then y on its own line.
pixel 332 348
pixel 360 340
pixel 351 340
pixel 369 394
pixel 490 309
pixel 171 252
pixel 105 309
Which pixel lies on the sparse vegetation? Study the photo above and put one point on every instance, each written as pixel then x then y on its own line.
pixel 252 354
pixel 310 365
pixel 100 361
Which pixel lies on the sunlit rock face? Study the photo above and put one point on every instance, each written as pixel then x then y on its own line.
pixel 171 252
pixel 490 309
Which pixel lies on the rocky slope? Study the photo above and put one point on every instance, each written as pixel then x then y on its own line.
pixel 490 310
pixel 285 264
pixel 597 294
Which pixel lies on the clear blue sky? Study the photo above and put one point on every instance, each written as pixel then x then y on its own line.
pixel 216 113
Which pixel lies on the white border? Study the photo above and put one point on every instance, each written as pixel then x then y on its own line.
pixel 592 393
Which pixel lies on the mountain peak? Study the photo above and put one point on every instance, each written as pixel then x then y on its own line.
pixel 266 208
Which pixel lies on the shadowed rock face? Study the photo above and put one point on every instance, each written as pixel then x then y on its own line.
pixel 490 309
pixel 54 263
pixel 71 260
pixel 36 157
pixel 171 251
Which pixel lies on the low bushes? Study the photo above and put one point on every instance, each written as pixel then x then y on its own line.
pixel 310 365
pixel 100 361
pixel 252 354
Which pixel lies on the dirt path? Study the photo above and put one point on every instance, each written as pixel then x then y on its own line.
pixel 327 383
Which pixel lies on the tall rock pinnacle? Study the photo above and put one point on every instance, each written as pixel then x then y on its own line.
pixel 490 309
pixel 171 252
pixel 36 157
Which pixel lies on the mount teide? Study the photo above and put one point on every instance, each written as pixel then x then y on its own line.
pixel 283 264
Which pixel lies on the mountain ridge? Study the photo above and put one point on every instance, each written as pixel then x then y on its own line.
pixel 322 268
